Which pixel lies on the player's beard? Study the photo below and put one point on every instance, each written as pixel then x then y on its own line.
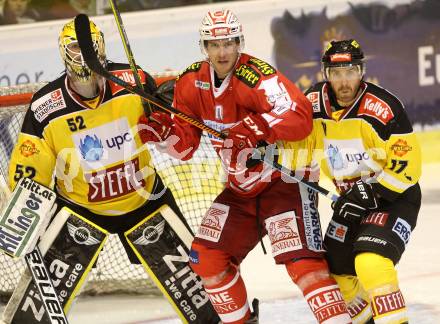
pixel 89 88
pixel 346 94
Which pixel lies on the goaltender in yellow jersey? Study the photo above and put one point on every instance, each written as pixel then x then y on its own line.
pixel 100 161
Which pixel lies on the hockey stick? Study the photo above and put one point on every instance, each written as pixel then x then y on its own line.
pixel 82 28
pixel 129 53
pixel 40 276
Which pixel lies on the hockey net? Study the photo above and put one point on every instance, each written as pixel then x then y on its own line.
pixel 194 183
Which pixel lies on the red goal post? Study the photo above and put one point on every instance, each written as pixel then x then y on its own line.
pixel 195 183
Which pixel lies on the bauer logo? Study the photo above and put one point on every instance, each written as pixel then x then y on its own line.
pixel 402 229
pixel 283 233
pixel 81 235
pixel 212 224
pixel 48 104
pixel 336 231
pixel 151 234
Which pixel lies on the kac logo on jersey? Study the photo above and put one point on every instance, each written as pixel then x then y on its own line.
pixel 91 148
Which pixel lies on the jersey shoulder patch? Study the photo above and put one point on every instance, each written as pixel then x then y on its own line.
pixel 192 68
pixel 125 74
pixel 373 106
pixel 262 66
pixel 314 99
pixel 247 75
pixel 48 103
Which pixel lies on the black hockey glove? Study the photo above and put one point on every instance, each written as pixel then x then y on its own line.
pixel 356 202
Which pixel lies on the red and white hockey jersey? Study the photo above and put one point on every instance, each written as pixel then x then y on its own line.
pixel 252 87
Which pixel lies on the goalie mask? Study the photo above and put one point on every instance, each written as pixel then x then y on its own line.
pixel 343 54
pixel 82 79
pixel 220 24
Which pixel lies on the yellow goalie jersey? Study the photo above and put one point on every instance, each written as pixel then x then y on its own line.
pixel 90 149
pixel 371 139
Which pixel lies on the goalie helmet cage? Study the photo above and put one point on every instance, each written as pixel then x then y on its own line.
pixel 195 184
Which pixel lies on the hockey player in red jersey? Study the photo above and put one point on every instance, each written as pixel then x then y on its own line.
pixel 373 157
pixel 250 102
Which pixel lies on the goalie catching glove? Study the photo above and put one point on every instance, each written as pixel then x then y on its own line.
pixel 356 202
pixel 241 139
pixel 156 128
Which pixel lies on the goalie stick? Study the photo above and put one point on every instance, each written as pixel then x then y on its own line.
pixel 82 28
pixel 129 53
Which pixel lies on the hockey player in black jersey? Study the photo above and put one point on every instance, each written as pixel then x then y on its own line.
pixel 373 157
pixel 81 133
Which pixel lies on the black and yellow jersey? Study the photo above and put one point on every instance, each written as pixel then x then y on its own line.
pixel 373 138
pixel 90 149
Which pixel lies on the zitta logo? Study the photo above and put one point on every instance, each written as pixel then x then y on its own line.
pixel 81 235
pixel 151 234
pixel 91 148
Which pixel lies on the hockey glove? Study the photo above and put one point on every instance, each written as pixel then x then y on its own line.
pixel 242 138
pixel 356 202
pixel 156 128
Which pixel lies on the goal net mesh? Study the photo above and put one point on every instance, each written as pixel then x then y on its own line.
pixel 194 183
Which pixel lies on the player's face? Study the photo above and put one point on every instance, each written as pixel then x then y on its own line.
pixel 223 55
pixel 345 82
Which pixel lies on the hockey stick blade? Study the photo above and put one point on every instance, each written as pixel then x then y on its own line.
pixel 82 28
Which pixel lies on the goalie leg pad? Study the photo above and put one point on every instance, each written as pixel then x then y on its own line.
pixel 319 289
pixel 161 241
pixel 72 244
